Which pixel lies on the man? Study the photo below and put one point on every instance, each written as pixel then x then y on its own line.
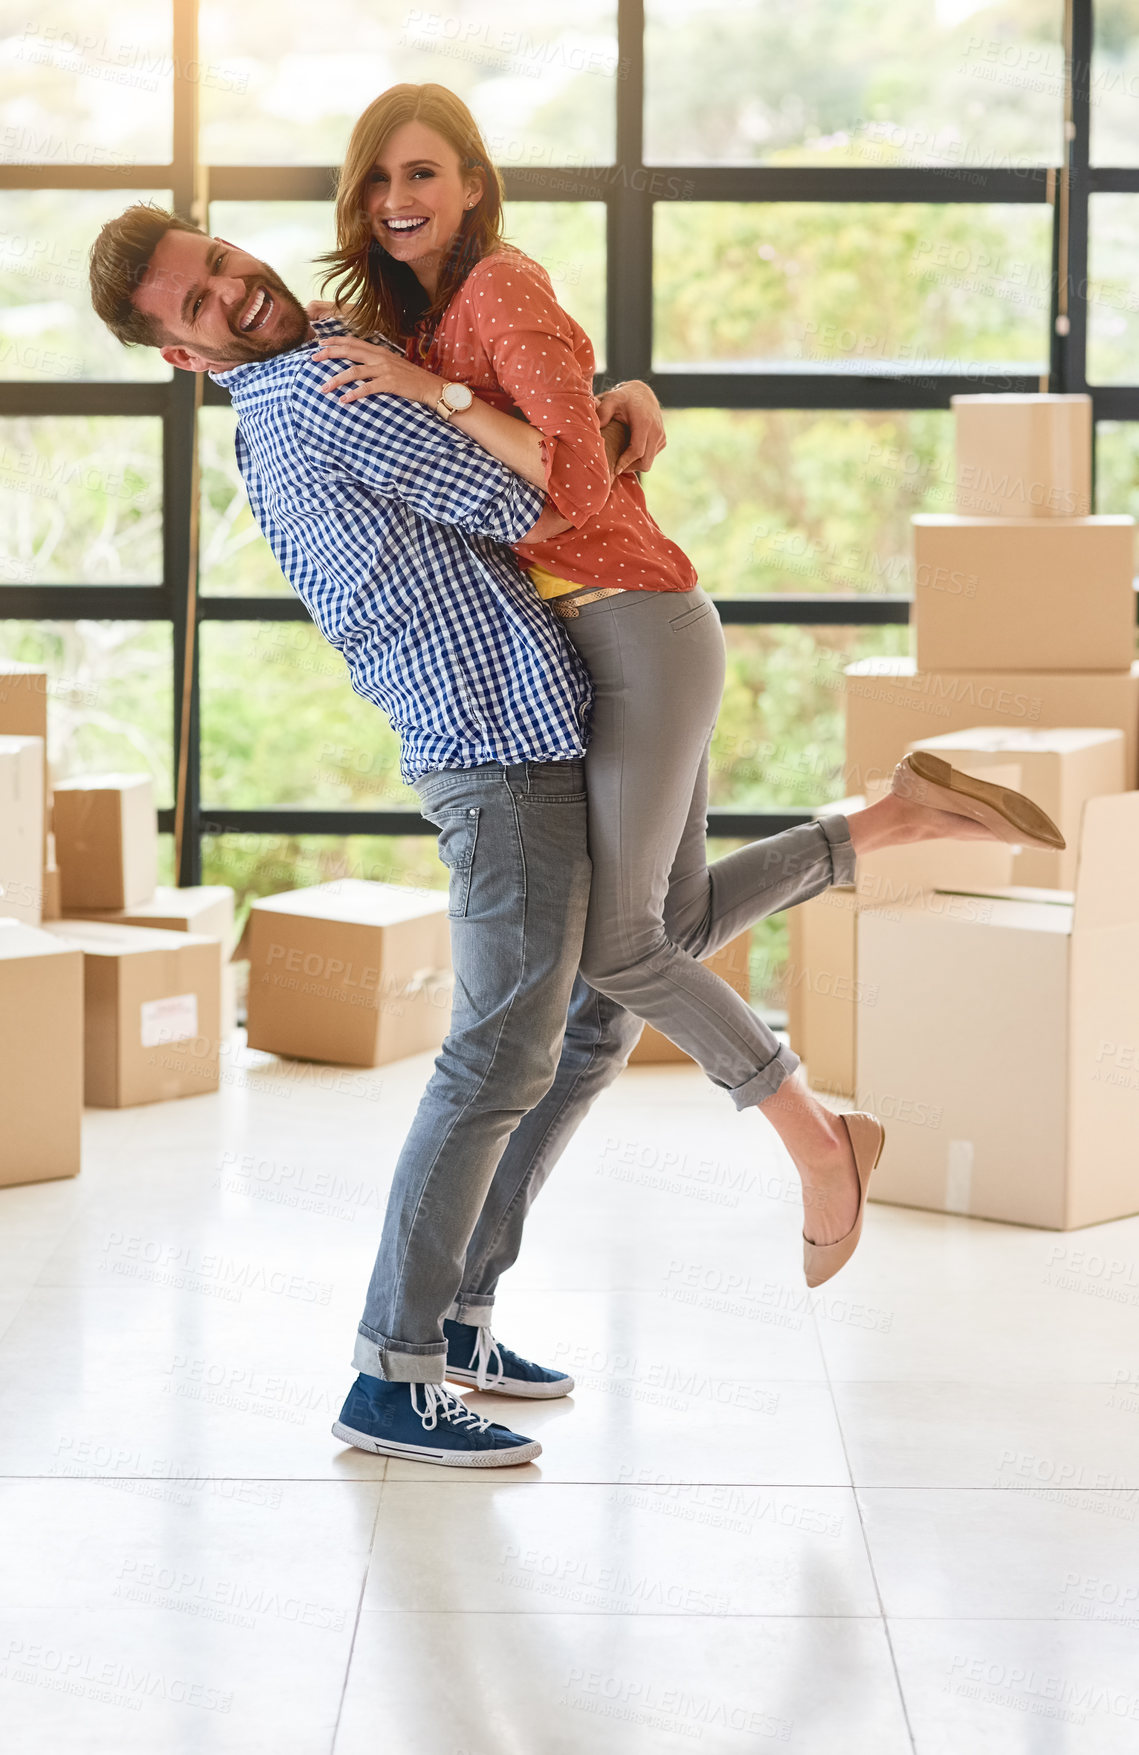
pixel 389 523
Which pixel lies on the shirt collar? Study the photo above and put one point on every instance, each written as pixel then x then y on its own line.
pixel 232 374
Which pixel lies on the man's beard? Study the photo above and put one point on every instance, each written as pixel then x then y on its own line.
pixel 290 324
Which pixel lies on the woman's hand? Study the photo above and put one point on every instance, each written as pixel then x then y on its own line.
pixel 377 371
pixel 318 308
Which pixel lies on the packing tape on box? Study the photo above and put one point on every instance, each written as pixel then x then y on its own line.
pixel 959 1177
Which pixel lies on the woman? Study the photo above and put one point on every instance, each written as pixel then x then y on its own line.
pixel 421 259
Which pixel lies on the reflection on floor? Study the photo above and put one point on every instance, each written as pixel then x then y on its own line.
pixel 901 1513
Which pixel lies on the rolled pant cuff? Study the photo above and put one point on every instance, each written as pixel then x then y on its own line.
pixel 378 1357
pixel 767 1081
pixel 837 833
pixel 472 1308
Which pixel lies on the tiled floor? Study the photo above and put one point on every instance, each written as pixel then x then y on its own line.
pixel 899 1514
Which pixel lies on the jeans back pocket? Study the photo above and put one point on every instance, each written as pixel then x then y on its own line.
pixel 458 833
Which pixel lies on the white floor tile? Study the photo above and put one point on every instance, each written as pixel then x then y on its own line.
pixel 1018 1687
pixel 1043 1555
pixel 1035 1435
pixel 689 1550
pixel 628 1685
pixel 219 1619
pixel 685 1565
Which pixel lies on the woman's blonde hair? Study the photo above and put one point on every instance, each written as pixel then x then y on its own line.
pixel 374 291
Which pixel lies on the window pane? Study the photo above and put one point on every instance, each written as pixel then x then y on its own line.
pixel 568 239
pixel 234 558
pixel 111 695
pixel 87 84
pixel 1117 467
pixel 828 81
pixel 281 725
pixel 780 740
pixel 1115 83
pixel 861 286
pixel 796 501
pixel 1113 290
pixel 264 865
pixel 47 326
pixel 542 82
pixel 80 500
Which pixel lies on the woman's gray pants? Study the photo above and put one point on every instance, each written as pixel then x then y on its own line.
pixel 656 906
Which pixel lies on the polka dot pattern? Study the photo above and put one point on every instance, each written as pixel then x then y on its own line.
pixel 505 335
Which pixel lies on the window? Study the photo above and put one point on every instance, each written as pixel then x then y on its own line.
pixel 821 222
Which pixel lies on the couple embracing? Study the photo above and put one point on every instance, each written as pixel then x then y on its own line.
pixel 497 586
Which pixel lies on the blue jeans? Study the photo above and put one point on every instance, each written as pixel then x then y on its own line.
pixel 531 1045
pixel 529 1048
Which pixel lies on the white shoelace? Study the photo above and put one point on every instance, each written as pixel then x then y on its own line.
pixel 442 1405
pixel 486 1348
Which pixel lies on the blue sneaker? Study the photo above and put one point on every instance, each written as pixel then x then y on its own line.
pixel 470 1351
pixel 388 1419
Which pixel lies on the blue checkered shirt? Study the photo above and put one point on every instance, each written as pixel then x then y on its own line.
pixel 388 522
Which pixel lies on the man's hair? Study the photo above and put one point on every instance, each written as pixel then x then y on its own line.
pixel 120 257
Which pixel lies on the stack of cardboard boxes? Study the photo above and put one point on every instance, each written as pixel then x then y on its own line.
pixel 966 991
pixel 116 990
pixel 110 987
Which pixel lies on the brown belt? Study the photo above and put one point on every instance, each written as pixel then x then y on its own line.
pixel 567 606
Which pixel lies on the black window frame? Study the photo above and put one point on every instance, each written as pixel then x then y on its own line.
pixel 629 188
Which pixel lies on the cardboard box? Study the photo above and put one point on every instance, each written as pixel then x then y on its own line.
pixel 1006 594
pixel 41 1055
pixel 151 1012
pixel 731 965
pixel 21 828
pixel 351 972
pixel 891 705
pixel 1023 456
pixel 823 987
pixel 201 908
pixel 1060 769
pixel 23 700
pixel 52 896
pixel 1003 1054
pixel 23 713
pixel 106 837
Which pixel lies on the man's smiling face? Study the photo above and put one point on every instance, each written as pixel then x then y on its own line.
pixel 216 306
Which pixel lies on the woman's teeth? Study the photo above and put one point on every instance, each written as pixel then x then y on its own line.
pixel 404 225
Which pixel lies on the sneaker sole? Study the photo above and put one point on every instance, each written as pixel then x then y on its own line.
pixel 449 1459
pixel 513 1386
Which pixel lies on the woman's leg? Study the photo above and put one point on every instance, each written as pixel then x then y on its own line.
pixel 657 664
pixel 657 907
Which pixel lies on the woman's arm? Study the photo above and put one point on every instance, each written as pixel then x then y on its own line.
pixel 378 371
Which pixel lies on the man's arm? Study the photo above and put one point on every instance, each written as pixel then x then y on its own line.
pixel 551 523
pixel 405 452
pixel 636 405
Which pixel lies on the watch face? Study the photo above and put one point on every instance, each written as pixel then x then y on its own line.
pixel 457 397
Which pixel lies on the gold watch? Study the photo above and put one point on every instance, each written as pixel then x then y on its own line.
pixel 454 399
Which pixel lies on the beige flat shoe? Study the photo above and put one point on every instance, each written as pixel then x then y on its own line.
pixel 821 1261
pixel 923 778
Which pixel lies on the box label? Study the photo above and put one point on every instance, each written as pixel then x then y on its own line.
pixel 169 1020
